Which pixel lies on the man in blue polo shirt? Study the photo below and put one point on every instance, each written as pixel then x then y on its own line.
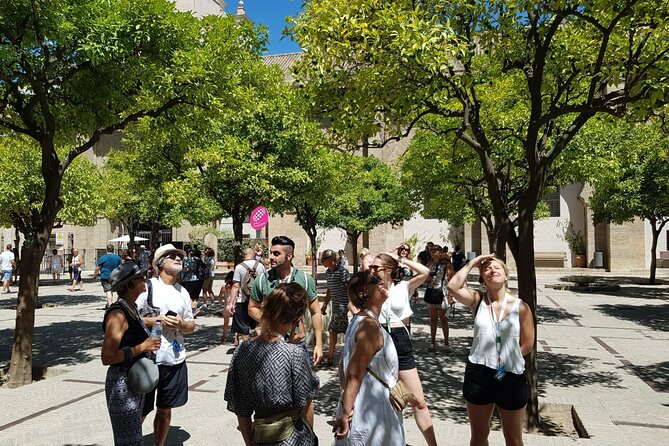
pixel 280 258
pixel 106 264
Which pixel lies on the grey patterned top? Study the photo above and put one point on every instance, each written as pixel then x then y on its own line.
pixel 266 378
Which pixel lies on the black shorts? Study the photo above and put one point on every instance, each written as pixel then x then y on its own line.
pixel 194 288
pixel 242 323
pixel 404 347
pixel 106 286
pixel 481 388
pixel 172 388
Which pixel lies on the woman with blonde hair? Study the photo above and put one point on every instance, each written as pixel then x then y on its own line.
pixel 396 318
pixel 271 379
pixel 503 334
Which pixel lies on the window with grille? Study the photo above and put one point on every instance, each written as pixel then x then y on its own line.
pixel 552 199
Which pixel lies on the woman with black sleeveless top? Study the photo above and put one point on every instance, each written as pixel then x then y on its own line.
pixel 125 338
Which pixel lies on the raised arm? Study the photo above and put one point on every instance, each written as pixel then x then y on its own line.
pixel 421 273
pixel 458 283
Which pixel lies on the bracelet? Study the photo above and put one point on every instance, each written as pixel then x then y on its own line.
pixel 127 351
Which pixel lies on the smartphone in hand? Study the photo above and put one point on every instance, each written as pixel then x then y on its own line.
pixel 170 313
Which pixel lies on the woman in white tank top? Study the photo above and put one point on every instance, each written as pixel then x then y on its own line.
pixel 503 334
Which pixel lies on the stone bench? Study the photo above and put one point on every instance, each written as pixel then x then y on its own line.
pixel 550 259
pixel 663 261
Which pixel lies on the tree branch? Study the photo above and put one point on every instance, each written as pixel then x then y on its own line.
pixel 73 153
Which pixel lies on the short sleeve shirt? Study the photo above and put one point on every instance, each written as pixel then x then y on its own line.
pixel 337 281
pixel 241 272
pixel 7 257
pixel 165 298
pixel 107 263
pixel 265 283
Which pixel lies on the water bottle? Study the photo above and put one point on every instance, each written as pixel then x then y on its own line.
pixel 157 330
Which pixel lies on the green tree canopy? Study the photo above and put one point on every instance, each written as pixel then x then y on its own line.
pixel 372 196
pixel 517 80
pixel 71 72
pixel 637 184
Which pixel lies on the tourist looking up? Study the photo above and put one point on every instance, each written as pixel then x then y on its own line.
pixel 503 334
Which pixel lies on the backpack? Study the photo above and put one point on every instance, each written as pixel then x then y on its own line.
pixel 200 269
pixel 251 274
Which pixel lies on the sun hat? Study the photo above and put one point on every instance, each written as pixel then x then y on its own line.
pixel 123 274
pixel 163 251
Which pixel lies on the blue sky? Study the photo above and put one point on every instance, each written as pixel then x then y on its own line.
pixel 272 14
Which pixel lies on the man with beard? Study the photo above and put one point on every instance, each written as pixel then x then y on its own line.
pixel 168 302
pixel 280 258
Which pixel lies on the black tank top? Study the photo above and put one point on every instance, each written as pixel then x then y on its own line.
pixel 136 332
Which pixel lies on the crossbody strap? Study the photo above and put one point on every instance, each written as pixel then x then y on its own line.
pixel 378 378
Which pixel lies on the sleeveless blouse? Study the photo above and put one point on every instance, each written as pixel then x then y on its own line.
pixel 375 422
pixel 483 350
pixel 397 307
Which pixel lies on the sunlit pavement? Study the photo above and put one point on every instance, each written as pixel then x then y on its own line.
pixel 603 353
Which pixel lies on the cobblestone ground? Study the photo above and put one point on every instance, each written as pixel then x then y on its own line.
pixel 603 353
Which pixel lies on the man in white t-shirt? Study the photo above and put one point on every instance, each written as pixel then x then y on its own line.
pixel 240 291
pixel 168 302
pixel 7 264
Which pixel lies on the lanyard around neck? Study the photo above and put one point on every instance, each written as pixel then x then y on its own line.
pixel 496 324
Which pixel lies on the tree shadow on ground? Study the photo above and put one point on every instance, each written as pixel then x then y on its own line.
pixel 61 343
pixel 655 317
pixel 639 292
pixel 657 374
pixel 176 436
pixel 631 280
pixel 441 374
pixel 61 300
pixel 564 370
pixel 552 315
pixel 68 343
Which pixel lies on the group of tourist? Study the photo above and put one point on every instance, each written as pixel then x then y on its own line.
pixel 271 387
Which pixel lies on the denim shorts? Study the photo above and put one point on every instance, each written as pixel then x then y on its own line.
pixel 6 275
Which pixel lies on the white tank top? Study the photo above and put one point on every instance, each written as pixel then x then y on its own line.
pixel 484 351
pixel 397 306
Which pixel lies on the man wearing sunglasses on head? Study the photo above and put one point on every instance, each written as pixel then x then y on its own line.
pixel 168 302
pixel 280 258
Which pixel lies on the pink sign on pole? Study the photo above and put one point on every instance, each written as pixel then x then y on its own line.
pixel 259 218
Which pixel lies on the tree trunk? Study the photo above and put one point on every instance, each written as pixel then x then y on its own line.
pixel 314 254
pixel 353 240
pixel 653 247
pixel 238 232
pixel 153 238
pixel 20 369
pixel 527 291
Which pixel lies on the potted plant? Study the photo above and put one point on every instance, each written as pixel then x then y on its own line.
pixel 576 242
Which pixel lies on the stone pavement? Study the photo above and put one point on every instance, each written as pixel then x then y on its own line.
pixel 603 353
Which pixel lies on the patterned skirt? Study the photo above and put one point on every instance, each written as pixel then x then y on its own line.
pixel 124 406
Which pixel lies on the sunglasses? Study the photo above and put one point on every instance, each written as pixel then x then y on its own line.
pixel 376 268
pixel 174 256
pixel 404 249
